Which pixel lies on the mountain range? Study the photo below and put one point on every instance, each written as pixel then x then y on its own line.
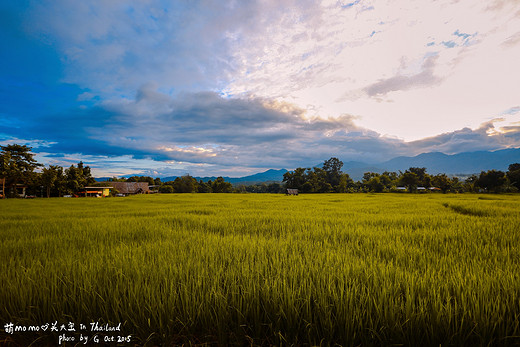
pixel 270 175
pixel 461 164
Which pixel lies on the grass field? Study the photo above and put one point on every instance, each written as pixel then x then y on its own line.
pixel 370 269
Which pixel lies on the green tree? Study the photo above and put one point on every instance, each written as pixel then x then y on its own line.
pixel 50 177
pixel 457 185
pixel 513 174
pixel 295 179
pixel 166 188
pixel 204 187
pixel 185 184
pixel 443 182
pixel 241 188
pixel 367 176
pixel 393 176
pixel 375 185
pixel 17 165
pixel 73 180
pixel 389 179
pixel 491 180
pixel 116 179
pixel 318 178
pixel 372 182
pixel 409 180
pixel 275 188
pixel 307 187
pixel 257 188
pixel 423 179
pixel 60 183
pixel 345 184
pixel 77 178
pixel 148 179
pixel 219 185
pixel 332 168
pixel 470 184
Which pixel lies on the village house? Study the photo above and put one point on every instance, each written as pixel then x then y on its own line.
pixel 98 192
pixel 131 188
pixel 20 190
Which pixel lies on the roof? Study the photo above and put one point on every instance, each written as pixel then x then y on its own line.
pixel 99 188
pixel 131 187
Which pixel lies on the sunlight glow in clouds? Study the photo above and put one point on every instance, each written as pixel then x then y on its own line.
pixel 411 69
pixel 191 150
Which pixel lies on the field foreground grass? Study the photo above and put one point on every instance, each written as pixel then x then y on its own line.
pixel 258 269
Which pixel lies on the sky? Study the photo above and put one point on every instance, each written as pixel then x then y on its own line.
pixel 232 88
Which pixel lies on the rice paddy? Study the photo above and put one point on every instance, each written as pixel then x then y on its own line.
pixel 261 269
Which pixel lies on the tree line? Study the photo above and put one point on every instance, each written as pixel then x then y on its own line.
pixel 329 178
pixel 19 168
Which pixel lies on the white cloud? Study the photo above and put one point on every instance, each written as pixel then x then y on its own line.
pixel 403 82
pixel 6 140
pixel 353 52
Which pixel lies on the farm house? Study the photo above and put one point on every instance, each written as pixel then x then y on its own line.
pixel 131 188
pixel 20 190
pixel 100 192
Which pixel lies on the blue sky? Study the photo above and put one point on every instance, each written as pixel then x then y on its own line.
pixel 236 87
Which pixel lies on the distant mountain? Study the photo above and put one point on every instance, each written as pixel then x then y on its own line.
pixel 461 163
pixel 102 179
pixel 435 162
pixel 270 175
pixel 357 173
pixel 349 165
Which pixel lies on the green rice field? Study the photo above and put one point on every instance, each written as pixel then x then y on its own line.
pixel 262 269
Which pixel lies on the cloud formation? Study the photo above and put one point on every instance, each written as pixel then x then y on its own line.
pixel 424 78
pixel 204 133
pixel 182 46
